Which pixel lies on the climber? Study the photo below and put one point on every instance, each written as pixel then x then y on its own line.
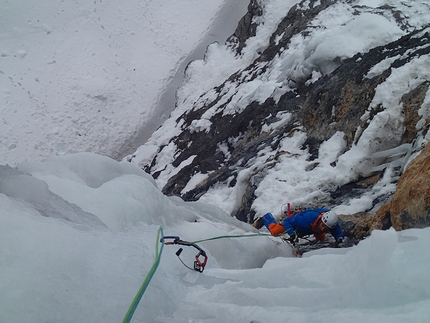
pixel 302 223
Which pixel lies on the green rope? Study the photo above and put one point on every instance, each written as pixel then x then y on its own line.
pixel 158 252
pixel 235 236
pixel 148 278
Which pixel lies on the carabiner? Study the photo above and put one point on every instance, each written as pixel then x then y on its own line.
pixel 199 265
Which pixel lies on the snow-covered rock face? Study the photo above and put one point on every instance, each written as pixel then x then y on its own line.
pixel 410 205
pixel 313 92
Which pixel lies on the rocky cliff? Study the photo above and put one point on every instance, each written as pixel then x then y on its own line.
pixel 238 134
pixel 409 206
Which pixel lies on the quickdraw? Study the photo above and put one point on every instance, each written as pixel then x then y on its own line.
pixel 199 264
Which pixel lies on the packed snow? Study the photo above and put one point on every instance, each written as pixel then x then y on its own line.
pixel 88 268
pixel 78 231
pixel 99 75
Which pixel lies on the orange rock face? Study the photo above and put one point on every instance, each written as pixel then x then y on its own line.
pixel 410 204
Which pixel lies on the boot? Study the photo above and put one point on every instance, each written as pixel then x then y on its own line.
pixel 258 224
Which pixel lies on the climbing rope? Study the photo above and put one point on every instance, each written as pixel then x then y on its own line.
pixel 199 264
pixel 233 236
pixel 136 300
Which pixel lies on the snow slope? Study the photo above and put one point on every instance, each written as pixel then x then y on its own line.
pixel 88 75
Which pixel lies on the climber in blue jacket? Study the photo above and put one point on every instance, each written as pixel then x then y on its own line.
pixel 311 221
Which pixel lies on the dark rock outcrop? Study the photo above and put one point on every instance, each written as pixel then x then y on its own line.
pixel 334 103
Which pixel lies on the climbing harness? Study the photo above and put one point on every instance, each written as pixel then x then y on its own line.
pixel 199 264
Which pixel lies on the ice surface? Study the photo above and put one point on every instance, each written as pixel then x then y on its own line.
pixel 53 270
